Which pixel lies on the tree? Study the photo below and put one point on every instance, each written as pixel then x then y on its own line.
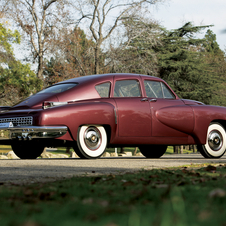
pixel 7 37
pixel 39 20
pixel 136 53
pixel 215 58
pixel 72 56
pixel 104 16
pixel 182 63
pixel 17 81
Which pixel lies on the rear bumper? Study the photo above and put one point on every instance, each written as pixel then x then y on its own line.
pixel 31 132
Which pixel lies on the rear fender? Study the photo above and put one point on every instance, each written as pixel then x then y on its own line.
pixel 76 115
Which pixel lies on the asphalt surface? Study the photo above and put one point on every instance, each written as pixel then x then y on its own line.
pixel 19 171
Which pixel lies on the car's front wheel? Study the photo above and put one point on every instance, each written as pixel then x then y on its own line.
pixel 91 141
pixel 27 150
pixel 215 145
pixel 153 151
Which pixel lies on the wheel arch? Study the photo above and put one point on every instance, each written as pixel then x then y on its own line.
pixel 220 121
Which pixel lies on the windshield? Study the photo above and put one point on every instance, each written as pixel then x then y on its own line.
pixel 58 88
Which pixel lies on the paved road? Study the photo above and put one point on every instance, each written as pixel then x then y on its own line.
pixel 23 171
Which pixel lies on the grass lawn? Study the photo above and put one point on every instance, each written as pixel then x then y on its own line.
pixel 178 196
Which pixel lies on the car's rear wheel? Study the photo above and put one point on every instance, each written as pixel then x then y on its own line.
pixel 28 150
pixel 215 145
pixel 153 151
pixel 91 141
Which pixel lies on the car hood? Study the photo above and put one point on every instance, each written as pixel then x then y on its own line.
pixel 35 101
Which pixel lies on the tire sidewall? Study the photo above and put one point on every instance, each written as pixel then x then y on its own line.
pixel 221 151
pixel 88 153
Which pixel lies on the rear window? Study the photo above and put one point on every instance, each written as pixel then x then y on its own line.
pixel 103 89
pixel 58 88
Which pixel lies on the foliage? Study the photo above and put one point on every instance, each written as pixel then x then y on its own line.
pixel 182 63
pixel 72 56
pixel 215 58
pixel 179 196
pixel 7 37
pixel 39 20
pixel 17 81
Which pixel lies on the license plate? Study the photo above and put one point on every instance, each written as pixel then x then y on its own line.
pixel 6 124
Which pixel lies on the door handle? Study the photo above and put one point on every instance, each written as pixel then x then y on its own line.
pixel 153 100
pixel 144 99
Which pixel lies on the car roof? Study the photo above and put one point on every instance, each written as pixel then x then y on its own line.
pixel 100 77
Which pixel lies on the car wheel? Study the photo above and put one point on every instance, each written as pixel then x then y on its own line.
pixel 91 141
pixel 31 150
pixel 215 145
pixel 153 151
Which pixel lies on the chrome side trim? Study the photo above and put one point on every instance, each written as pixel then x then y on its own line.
pixel 31 132
pixel 116 118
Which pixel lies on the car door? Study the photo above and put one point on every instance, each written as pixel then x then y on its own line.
pixel 133 111
pixel 170 116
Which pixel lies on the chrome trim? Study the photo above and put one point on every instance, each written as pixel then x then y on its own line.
pixel 31 132
pixel 215 140
pixel 52 104
pixel 116 118
pixel 144 99
pixel 92 138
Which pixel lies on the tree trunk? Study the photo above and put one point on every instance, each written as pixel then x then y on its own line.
pixel 175 149
pixel 97 60
pixel 181 149
pixel 40 68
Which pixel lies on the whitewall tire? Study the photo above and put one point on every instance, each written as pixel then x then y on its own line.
pixel 91 141
pixel 215 145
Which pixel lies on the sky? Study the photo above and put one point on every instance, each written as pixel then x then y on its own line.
pixel 173 14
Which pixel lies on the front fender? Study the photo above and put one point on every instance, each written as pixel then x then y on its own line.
pixel 193 120
pixel 179 117
pixel 204 115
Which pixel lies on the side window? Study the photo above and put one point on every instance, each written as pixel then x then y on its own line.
pixel 157 90
pixel 153 89
pixel 167 93
pixel 127 88
pixel 103 89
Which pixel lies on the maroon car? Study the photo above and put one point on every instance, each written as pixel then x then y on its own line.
pixel 93 112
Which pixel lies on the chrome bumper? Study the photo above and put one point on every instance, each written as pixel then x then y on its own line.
pixel 31 132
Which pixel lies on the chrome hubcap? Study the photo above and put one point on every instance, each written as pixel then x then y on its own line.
pixel 215 140
pixel 92 138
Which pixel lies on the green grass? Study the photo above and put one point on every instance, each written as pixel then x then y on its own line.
pixel 4 149
pixel 177 196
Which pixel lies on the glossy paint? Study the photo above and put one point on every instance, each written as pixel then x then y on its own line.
pixel 129 121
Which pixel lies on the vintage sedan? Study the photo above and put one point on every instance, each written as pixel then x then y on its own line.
pixel 93 112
